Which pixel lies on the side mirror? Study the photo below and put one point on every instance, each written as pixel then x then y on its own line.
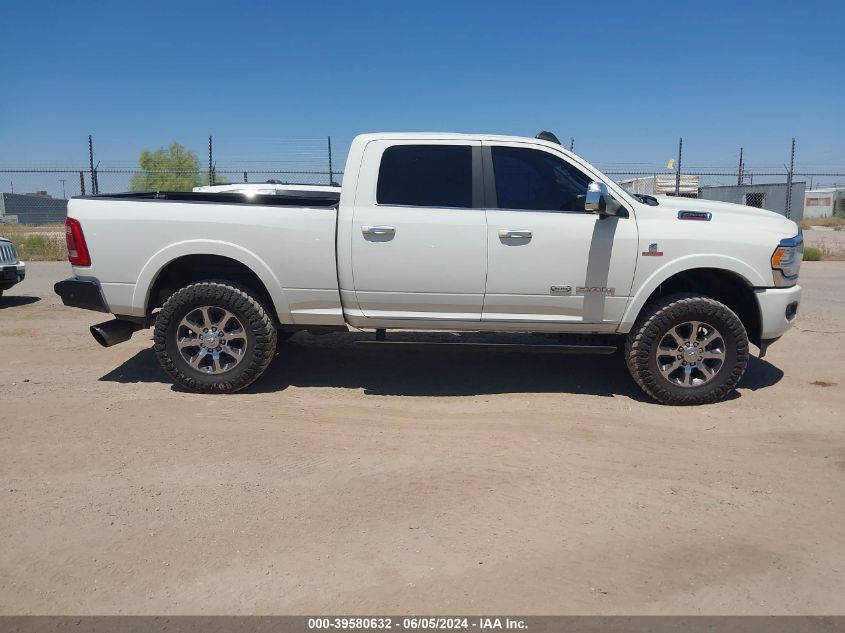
pixel 600 201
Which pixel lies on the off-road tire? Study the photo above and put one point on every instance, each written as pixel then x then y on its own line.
pixel 258 324
pixel 656 320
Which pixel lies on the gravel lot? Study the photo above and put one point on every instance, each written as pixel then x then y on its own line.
pixel 386 481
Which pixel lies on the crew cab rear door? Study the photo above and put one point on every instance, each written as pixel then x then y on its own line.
pixel 550 260
pixel 419 235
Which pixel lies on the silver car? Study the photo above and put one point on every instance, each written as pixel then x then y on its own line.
pixel 12 270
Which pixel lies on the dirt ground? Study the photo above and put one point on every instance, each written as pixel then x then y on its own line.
pixel 388 481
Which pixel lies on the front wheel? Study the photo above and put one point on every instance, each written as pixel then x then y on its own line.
pixel 213 337
pixel 686 350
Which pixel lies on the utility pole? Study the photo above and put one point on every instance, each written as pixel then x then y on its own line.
pixel 678 167
pixel 64 195
pixel 789 180
pixel 739 171
pixel 210 168
pixel 331 170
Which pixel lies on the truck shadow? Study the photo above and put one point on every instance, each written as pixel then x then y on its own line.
pixel 437 372
pixel 15 302
pixel 334 361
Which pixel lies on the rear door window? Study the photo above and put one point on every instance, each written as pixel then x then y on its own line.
pixel 426 176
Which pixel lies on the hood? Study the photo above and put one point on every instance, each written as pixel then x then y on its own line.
pixel 762 218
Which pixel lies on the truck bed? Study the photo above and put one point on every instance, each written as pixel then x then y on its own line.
pixel 278 199
pixel 287 241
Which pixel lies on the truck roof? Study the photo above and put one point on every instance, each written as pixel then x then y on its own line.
pixel 453 136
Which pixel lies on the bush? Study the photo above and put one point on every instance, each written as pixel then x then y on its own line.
pixel 812 254
pixel 833 222
pixel 36 243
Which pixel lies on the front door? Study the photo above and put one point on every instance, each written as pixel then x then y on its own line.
pixel 419 237
pixel 549 260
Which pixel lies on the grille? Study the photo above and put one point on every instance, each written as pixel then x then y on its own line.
pixel 8 255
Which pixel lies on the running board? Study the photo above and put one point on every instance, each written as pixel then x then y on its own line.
pixel 538 348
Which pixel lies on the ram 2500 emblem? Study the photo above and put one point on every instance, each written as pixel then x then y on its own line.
pixel 599 290
pixel 560 290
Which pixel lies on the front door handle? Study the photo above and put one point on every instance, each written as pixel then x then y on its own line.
pixel 378 230
pixel 515 233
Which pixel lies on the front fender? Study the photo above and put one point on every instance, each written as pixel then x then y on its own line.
pixel 156 263
pixel 691 262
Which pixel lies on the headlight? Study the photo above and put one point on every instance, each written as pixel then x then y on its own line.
pixel 786 260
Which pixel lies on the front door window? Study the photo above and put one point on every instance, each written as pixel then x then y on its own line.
pixel 537 181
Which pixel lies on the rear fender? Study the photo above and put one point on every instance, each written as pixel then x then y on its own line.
pixel 157 262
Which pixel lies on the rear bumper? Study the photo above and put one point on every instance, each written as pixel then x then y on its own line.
pixel 778 309
pixel 11 274
pixel 81 293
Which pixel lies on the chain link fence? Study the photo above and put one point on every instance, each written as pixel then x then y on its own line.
pixel 313 161
pixel 120 180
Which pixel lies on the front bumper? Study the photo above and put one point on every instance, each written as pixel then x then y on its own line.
pixel 81 293
pixel 778 309
pixel 11 274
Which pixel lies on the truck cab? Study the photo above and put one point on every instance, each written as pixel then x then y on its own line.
pixel 482 231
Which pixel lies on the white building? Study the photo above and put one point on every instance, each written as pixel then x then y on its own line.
pixel 769 196
pixel 662 185
pixel 822 203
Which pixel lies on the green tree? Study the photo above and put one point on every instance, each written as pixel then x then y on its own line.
pixel 173 168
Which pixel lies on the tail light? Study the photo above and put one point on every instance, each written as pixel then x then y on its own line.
pixel 77 249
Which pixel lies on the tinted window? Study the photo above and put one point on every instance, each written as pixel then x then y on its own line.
pixel 426 176
pixel 536 180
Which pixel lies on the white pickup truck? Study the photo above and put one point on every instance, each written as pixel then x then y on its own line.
pixel 440 232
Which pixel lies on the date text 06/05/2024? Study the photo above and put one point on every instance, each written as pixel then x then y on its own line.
pixel 416 623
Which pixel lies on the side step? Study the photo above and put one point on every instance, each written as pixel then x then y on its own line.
pixel 539 348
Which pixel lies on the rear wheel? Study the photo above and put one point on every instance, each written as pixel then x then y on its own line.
pixel 214 337
pixel 686 349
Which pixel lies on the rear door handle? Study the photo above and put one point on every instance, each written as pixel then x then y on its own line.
pixel 515 233
pixel 378 230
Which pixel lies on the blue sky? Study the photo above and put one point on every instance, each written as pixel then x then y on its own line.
pixel 625 79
